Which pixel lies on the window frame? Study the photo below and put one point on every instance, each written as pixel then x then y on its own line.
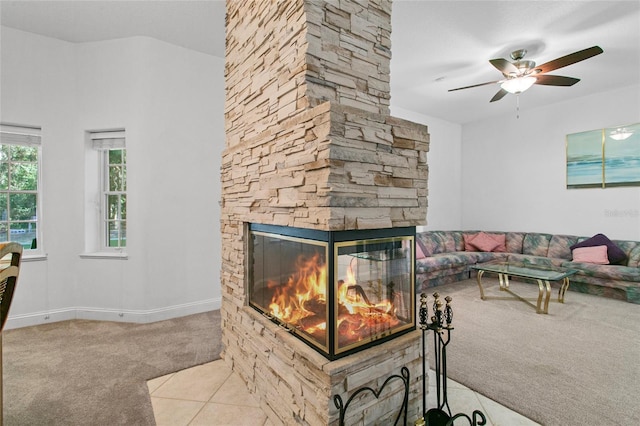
pixel 29 136
pixel 98 143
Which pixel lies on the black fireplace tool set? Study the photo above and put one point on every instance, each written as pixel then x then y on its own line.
pixel 441 415
pixel 441 326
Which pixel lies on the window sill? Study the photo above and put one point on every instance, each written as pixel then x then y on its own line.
pixel 105 255
pixel 33 257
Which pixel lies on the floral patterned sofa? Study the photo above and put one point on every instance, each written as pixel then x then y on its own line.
pixel 445 256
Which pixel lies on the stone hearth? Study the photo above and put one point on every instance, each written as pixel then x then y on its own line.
pixel 310 144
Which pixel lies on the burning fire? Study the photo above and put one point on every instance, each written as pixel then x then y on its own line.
pixel 302 294
pixel 302 302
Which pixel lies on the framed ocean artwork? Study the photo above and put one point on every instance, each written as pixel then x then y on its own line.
pixel 604 158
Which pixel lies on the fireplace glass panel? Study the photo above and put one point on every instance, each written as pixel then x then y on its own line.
pixel 290 283
pixel 374 290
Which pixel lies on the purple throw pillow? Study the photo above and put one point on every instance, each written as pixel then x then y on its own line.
pixel 614 253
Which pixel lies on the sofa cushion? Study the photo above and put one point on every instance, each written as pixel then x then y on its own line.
pixel 559 246
pixel 436 242
pixel 628 248
pixel 615 254
pixel 451 260
pixel 542 262
pixel 536 244
pixel 634 257
pixel 595 254
pixel 419 251
pixel 457 240
pixel 514 241
pixel 440 261
pixel 430 243
pixel 447 240
pixel 605 272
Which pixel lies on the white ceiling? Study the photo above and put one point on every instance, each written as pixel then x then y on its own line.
pixel 437 45
pixel 441 45
pixel 197 25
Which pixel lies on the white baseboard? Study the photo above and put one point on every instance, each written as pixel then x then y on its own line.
pixel 109 314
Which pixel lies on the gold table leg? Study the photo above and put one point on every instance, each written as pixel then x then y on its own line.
pixel 479 279
pixel 544 290
pixel 563 289
pixel 504 282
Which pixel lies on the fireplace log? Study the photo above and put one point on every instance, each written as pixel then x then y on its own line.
pixel 359 292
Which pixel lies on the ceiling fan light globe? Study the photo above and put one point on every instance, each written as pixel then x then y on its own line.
pixel 518 84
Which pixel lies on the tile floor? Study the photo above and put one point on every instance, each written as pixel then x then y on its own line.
pixel 212 395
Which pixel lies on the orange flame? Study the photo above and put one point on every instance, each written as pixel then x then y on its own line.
pixel 290 301
pixel 302 303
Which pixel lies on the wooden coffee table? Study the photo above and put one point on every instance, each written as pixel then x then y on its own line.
pixel 542 276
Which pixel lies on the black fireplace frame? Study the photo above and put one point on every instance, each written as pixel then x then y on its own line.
pixel 331 351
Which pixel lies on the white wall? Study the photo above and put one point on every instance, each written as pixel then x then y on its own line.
pixel 38 86
pixel 170 100
pixel 514 171
pixel 444 209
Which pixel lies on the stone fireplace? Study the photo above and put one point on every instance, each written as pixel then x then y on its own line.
pixel 311 149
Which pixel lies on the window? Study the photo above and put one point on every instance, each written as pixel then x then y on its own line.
pixel 113 182
pixel 19 185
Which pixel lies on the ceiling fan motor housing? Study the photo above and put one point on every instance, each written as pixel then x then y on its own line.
pixel 524 66
pixel 516 55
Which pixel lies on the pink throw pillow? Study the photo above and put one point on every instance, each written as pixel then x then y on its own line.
pixel 595 254
pixel 467 242
pixel 484 242
pixel 419 252
pixel 501 239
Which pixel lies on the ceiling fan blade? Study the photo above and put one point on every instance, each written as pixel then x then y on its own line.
pixel 556 80
pixel 504 66
pixel 475 85
pixel 569 59
pixel 501 94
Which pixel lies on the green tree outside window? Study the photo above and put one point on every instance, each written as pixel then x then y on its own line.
pixel 19 194
pixel 116 197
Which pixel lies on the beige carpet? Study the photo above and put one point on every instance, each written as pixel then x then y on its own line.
pixel 578 365
pixel 94 373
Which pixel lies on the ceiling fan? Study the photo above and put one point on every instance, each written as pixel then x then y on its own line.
pixel 522 74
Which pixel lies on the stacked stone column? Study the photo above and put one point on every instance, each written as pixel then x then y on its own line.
pixel 310 144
